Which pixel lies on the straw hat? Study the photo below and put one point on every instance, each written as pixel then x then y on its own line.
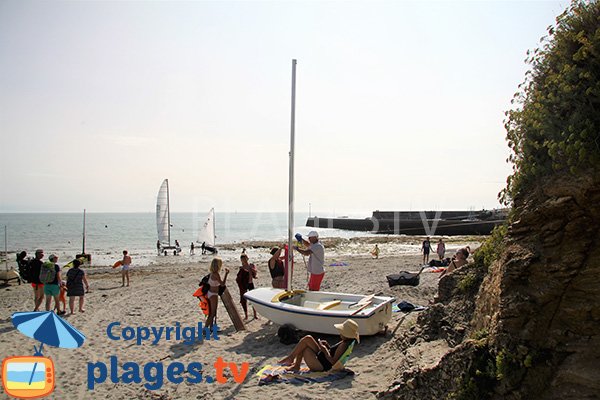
pixel 348 329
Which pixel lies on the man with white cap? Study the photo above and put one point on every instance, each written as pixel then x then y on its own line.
pixel 316 260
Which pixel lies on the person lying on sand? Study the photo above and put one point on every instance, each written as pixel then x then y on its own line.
pixel 319 355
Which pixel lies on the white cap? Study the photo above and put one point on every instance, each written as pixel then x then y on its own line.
pixel 313 234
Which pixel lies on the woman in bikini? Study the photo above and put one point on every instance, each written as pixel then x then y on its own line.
pixel 277 269
pixel 317 354
pixel 459 259
pixel 215 282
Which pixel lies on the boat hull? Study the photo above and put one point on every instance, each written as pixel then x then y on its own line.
pixel 303 312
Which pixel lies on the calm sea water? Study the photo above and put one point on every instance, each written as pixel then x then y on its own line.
pixel 108 234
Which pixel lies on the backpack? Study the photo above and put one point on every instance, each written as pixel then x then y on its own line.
pixel 288 334
pixel 204 284
pixel 26 269
pixel 47 272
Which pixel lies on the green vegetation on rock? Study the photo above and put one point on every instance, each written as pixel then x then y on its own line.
pixel 555 127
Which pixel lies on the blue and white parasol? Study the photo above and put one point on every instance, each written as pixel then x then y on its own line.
pixel 48 328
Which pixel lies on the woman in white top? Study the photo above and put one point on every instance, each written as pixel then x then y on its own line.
pixel 215 282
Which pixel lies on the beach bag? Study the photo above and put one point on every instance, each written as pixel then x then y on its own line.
pixel 405 278
pixel 26 269
pixel 288 334
pixel 47 272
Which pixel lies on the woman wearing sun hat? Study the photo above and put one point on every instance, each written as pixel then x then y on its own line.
pixel 318 354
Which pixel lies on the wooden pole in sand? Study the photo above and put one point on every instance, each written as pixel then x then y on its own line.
pixel 5 250
pixel 290 255
pixel 83 245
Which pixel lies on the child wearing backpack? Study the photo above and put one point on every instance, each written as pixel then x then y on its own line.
pixel 50 277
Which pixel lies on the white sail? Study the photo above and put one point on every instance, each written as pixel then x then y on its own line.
pixel 163 222
pixel 207 230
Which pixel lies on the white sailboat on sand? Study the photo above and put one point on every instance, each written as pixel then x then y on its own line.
pixel 163 219
pixel 206 235
pixel 317 311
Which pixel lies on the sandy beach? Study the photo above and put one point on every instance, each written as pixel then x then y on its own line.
pixel 161 295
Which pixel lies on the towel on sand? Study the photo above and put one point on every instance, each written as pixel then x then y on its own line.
pixel 277 373
pixel 339 264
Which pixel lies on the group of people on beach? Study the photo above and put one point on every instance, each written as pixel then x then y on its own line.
pixel 426 249
pixel 47 282
pixel 317 354
pixel 247 272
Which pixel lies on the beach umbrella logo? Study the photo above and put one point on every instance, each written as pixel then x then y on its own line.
pixel 30 377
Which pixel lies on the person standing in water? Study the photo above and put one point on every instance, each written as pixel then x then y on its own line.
pixel 125 265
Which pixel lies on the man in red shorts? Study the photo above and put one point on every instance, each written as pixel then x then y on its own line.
pixel 316 260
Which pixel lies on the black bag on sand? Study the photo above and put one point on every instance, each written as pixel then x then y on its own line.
pixel 404 278
pixel 288 334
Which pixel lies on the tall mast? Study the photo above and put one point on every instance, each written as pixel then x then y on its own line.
pixel 5 250
pixel 214 231
pixel 290 256
pixel 83 246
pixel 168 214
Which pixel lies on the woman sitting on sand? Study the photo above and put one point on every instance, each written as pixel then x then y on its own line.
pixel 459 259
pixel 215 282
pixel 318 355
pixel 277 269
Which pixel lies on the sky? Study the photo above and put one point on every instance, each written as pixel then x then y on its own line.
pixel 399 105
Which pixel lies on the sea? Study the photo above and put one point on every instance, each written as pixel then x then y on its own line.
pixel 108 234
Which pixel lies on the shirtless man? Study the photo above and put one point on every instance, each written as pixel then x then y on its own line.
pixel 125 265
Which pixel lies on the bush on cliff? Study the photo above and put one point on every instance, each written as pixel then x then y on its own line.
pixel 555 127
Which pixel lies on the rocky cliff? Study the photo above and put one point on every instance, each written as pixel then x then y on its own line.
pixel 527 327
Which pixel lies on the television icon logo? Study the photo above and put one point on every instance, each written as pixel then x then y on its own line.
pixel 28 377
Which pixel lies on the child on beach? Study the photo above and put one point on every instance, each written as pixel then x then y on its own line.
pixel 125 265
pixel 62 299
pixel 441 249
pixel 75 280
pixel 215 282
pixel 375 252
pixel 244 280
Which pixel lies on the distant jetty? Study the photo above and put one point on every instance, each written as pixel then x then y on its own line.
pixel 446 223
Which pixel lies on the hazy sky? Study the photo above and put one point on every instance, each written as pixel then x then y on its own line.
pixel 399 104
